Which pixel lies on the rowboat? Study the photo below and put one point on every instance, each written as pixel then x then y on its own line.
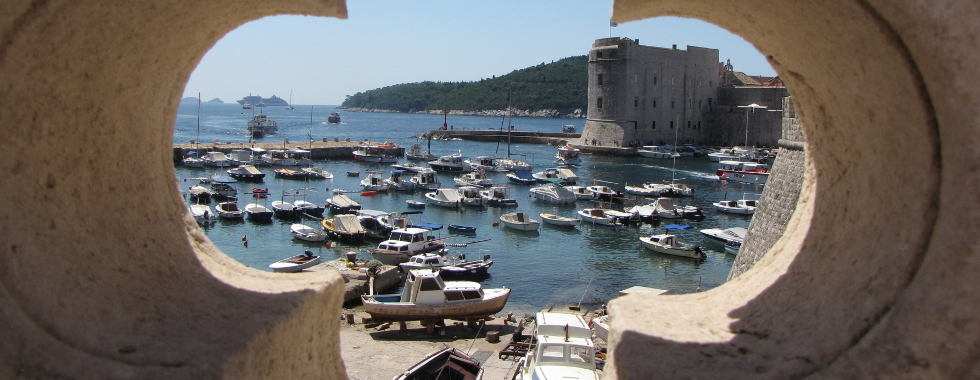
pixel 295 263
pixel 556 220
pixel 229 210
pixel 415 203
pixel 461 229
pixel 307 233
pixel 669 245
pixel 448 363
pixel 519 221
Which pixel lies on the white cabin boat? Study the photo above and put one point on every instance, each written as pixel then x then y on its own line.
pixel 374 181
pixel 377 153
pixel 743 206
pixel 561 175
pixel 599 216
pixel 313 172
pixel 510 164
pixel 215 159
pixel 403 243
pixel 229 210
pixel 191 160
pixel 556 220
pixel 567 155
pixel 415 153
pixel 642 191
pixel 246 172
pixel 669 245
pixel 582 193
pixel 554 194
pixel 520 221
pixel 675 189
pixel 497 196
pixel 667 210
pixel 400 181
pixel 426 297
pixel 563 349
pixel 444 198
pixel 477 177
pixel 452 163
pixel 307 233
pixel 747 172
pixel 657 151
pixel 260 125
pixel 426 179
pixel 470 196
pixel 486 163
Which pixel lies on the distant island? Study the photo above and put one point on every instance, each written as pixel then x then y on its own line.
pixel 557 89
pixel 216 100
pixel 191 99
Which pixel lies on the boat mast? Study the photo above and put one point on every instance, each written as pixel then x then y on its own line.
pixel 509 106
pixel 673 168
pixel 198 140
pixel 311 121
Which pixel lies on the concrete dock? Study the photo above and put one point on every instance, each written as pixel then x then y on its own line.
pixel 319 150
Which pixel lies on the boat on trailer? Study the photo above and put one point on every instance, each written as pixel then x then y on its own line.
pixel 426 297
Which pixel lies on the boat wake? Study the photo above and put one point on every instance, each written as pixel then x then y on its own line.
pixel 686 173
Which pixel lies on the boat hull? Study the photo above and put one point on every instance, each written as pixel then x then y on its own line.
pixel 556 220
pixel 289 265
pixel 493 302
pixel 693 252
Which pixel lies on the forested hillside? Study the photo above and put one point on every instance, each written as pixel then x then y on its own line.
pixel 561 85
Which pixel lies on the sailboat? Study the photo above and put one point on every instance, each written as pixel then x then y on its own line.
pixel 510 164
pixel 193 160
pixel 290 106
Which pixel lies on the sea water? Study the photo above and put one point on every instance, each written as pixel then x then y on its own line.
pixel 553 266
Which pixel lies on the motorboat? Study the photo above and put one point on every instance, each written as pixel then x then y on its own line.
pixel 334 117
pixel 733 248
pixel 314 172
pixel 304 207
pixel 523 177
pixel 667 210
pixel 556 175
pixel 645 212
pixel 246 173
pixel 642 191
pixel 426 297
pixel 345 228
pixel 486 163
pixel 295 263
pixel 449 363
pixel 215 159
pixel 605 193
pixel 400 181
pixel 743 206
pixel 415 203
pixel 457 228
pixel 372 224
pixel 191 160
pixel 657 151
pixel 258 213
pixel 553 193
pixel 260 125
pixel 410 167
pixel 291 157
pixel 451 163
pixel 568 128
pixel 477 177
pixel 307 233
pixel 669 245
pixel 404 243
pixel 470 196
pixel 510 164
pixel 385 153
pixel 623 217
pixel 341 204
pixel 520 221
pixel 221 186
pixel 353 173
pixel 556 220
pixel 444 198
pixel 727 235
pixel 670 189
pixel 291 174
pixel 497 196
pixel 251 156
pixel 562 349
pixel 200 193
pixel 415 153
pixel 283 209
pixel 449 267
pixel 581 193
pixel 599 216
pixel 426 179
pixel 567 155
pixel 374 181
pixel 202 214
pixel 229 210
pixel 746 172
pixel 745 154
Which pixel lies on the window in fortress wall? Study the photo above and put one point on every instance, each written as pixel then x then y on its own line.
pixel 598 103
pixel 654 104
pixel 653 124
pixel 599 79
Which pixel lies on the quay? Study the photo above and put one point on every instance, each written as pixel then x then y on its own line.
pixel 356 282
pixel 491 135
pixel 319 150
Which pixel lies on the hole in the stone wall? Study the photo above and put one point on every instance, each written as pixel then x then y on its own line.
pixel 297 71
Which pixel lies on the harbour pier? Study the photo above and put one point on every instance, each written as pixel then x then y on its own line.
pixel 319 150
pixel 557 139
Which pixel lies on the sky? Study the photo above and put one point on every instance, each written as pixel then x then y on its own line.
pixel 322 60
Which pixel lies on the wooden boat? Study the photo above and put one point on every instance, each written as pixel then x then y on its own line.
pixel 257 212
pixel 563 349
pixel 461 229
pixel 556 220
pixel 520 221
pixel 246 173
pixel 229 210
pixel 353 174
pixel 443 198
pixel 307 233
pixel 283 209
pixel 345 228
pixel 341 204
pixel 415 203
pixel 295 263
pixel 426 297
pixel 598 216
pixel 669 245
pixel 447 363
pixel 403 243
pixel 449 267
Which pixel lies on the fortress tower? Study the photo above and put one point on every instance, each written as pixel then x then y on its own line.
pixel 648 94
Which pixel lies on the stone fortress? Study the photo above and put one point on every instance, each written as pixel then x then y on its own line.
pixel 643 95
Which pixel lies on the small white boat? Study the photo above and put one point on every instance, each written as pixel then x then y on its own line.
pixel 675 189
pixel 452 163
pixel 486 163
pixel 603 192
pixel 598 216
pixel 192 161
pixel 669 245
pixel 426 179
pixel 257 212
pixel 556 220
pixel 307 233
pixel 415 203
pixel 554 194
pixel 313 172
pixel 642 191
pixel 497 196
pixel 747 172
pixel 374 181
pixel 309 208
pixel 342 204
pixel 743 207
pixel 229 210
pixel 444 198
pixel 400 181
pixel 520 221
pixel 380 153
pixel 567 155
pixel 283 209
pixel 470 196
pixel 666 209
pixel 727 235
pixel 215 159
pixel 403 243
pixel 657 151
pixel 523 177
pixel 564 349
pixel 202 214
pixel 477 177
pixel 295 263
pixel 246 173
pixel 415 153
pixel 581 193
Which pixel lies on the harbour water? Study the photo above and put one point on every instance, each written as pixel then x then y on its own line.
pixel 552 266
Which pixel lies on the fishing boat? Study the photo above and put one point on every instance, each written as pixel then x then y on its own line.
pixel 307 233
pixel 295 263
pixel 404 243
pixel 313 172
pixel 415 154
pixel 523 177
pixel 215 159
pixel 746 172
pixel 567 155
pixel 334 117
pixel 258 213
pixel 554 194
pixel 470 196
pixel 400 181
pixel 451 163
pixel 426 179
pixel 669 245
pixel 581 193
pixel 461 229
pixel 449 268
pixel 486 163
pixel 667 210
pixel 341 204
pixel 477 177
pixel 447 363
pixel 426 297
pixel 202 214
pixel 497 196
pixel 372 224
pixel 283 209
pixel 374 181
pixel 444 198
pixel 519 221
pixel 246 173
pixel 743 207
pixel 598 216
pixel 415 203
pixel 727 235
pixel 229 210
pixel 556 220
pixel 345 228
pixel 562 349
pixel 384 153
pixel 260 125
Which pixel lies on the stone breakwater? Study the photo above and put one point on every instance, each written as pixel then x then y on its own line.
pixel 576 114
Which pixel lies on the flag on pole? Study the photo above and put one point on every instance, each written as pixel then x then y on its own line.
pixel 613 24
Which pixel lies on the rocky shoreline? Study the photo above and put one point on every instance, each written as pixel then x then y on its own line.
pixel 577 114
